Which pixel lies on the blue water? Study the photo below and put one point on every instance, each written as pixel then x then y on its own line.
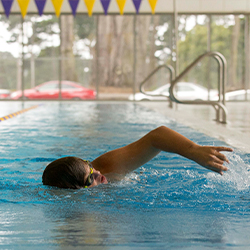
pixel 169 203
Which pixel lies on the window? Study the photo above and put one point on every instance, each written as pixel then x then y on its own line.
pixel 67 86
pixel 49 86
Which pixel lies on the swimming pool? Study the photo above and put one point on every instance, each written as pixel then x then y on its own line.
pixel 169 203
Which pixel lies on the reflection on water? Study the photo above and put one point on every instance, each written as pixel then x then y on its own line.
pixel 133 229
pixel 169 203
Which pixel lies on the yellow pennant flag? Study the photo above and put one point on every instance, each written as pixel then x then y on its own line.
pixel 57 6
pixel 23 4
pixel 153 4
pixel 121 5
pixel 89 4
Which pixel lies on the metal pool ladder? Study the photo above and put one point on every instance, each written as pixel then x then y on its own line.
pixel 219 106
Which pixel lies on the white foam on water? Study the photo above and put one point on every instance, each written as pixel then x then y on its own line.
pixel 238 174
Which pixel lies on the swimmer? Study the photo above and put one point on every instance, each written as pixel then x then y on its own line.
pixel 75 173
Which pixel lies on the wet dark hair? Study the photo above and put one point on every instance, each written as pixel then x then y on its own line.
pixel 66 172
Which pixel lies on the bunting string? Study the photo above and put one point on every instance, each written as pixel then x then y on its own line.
pixel 73 5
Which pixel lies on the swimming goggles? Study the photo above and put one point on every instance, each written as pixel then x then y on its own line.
pixel 90 177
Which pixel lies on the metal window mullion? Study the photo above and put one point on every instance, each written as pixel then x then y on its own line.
pixel 247 54
pixel 22 60
pixel 60 62
pixel 97 57
pixel 176 37
pixel 135 56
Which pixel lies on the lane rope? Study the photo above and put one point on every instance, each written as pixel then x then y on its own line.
pixel 4 118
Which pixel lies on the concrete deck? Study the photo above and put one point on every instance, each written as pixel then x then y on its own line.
pixel 235 133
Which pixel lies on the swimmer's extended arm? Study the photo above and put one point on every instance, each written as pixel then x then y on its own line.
pixel 134 155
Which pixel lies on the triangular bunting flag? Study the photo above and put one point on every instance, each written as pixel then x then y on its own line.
pixel 7 6
pixel 89 4
pixel 73 4
pixel 40 5
pixel 121 5
pixel 57 6
pixel 105 5
pixel 153 4
pixel 23 5
pixel 137 4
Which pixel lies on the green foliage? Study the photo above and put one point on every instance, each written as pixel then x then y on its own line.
pixel 221 39
pixel 85 26
pixel 191 44
pixel 195 44
pixel 50 52
pixel 8 69
pixel 45 70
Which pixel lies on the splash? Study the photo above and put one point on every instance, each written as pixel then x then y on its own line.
pixel 238 175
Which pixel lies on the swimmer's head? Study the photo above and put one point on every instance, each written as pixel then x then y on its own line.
pixel 72 172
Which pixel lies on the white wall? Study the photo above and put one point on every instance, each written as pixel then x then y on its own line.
pixel 163 6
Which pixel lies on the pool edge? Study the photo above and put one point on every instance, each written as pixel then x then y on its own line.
pixel 205 124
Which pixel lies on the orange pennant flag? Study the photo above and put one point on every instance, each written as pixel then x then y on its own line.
pixel 89 4
pixel 57 6
pixel 152 5
pixel 23 5
pixel 121 5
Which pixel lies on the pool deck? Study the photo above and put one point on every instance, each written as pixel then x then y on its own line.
pixel 235 133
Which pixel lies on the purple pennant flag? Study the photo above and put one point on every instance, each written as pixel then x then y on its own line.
pixel 137 4
pixel 105 5
pixel 7 6
pixel 40 5
pixel 73 5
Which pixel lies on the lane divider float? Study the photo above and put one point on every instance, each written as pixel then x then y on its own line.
pixel 4 118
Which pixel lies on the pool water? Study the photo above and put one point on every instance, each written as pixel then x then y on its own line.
pixel 169 203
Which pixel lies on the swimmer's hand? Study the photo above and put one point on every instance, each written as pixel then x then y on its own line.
pixel 210 157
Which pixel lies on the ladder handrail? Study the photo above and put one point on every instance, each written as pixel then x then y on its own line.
pixel 218 105
pixel 172 75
